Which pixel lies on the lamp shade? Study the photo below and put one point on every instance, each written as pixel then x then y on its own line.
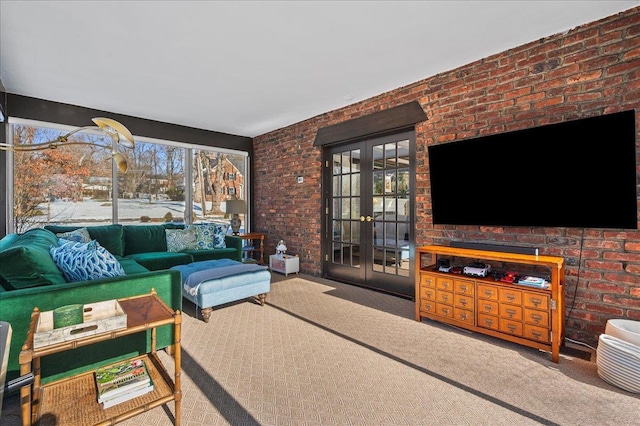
pixel 236 206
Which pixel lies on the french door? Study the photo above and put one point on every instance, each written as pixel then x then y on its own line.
pixel 369 216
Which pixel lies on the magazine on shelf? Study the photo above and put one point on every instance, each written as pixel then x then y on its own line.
pixel 121 378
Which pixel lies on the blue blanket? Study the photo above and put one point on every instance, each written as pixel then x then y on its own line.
pixel 196 273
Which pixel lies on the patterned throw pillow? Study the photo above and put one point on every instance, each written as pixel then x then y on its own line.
pixel 75 245
pixel 181 239
pixel 85 261
pixel 79 235
pixel 211 235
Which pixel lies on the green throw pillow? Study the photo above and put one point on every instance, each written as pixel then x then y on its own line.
pixel 27 263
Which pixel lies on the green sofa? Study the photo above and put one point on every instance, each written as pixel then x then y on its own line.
pixel 30 278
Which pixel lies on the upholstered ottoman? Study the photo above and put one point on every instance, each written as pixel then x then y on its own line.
pixel 215 282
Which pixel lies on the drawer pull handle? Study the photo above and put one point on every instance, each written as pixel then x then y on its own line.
pixel 536 334
pixel 445 311
pixel 512 328
pixel 463 288
pixel 463 317
pixel 488 322
pixel 488 308
pixel 488 293
pixel 536 302
pixel 510 297
pixel 511 312
pixel 463 302
pixel 445 285
pixel 445 298
pixel 536 318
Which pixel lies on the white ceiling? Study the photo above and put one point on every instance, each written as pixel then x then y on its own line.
pixel 246 67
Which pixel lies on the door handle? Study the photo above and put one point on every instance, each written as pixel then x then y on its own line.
pixel 368 218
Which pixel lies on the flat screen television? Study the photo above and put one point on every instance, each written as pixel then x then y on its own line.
pixel 575 174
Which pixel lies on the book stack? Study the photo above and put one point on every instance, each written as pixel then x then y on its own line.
pixel 121 382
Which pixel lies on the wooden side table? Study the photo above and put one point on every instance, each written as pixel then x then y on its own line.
pixel 73 400
pixel 253 250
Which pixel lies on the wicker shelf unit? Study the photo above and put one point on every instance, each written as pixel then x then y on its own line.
pixel 73 400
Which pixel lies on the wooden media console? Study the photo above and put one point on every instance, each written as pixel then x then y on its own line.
pixel 523 314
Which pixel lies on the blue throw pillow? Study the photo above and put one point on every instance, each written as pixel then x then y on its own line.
pixel 85 261
pixel 210 235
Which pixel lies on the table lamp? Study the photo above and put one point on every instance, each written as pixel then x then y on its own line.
pixel 236 207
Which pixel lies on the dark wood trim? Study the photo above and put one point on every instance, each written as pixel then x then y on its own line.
pixel 392 119
pixel 54 112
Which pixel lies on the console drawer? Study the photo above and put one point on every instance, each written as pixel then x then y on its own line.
pixel 488 321
pixel 488 307
pixel 445 297
pixel 427 280
pixel 463 315
pixel 536 301
pixel 539 334
pixel 511 327
pixel 464 287
pixel 445 284
pixel 511 312
pixel 427 293
pixel 444 310
pixel 427 307
pixel 487 292
pixel 508 295
pixel 462 301
pixel 539 318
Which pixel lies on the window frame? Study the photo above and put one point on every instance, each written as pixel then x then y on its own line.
pixel 188 169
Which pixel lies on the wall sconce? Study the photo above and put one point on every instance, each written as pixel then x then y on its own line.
pixel 236 207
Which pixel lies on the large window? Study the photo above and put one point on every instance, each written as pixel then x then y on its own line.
pixel 79 185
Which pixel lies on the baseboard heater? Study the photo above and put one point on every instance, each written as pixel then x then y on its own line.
pixel 495 247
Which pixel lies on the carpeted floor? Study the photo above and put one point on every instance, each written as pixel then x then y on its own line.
pixel 325 353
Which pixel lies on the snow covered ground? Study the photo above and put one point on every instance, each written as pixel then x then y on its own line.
pixel 129 211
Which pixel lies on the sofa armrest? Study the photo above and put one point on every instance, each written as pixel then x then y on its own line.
pixel 235 242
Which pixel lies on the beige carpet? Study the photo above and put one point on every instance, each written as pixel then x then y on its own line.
pixel 324 353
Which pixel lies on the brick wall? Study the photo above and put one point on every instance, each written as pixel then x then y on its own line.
pixel 591 70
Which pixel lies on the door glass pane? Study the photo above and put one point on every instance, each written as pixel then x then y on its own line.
pixel 355 184
pixel 346 207
pixel 391 233
pixel 355 208
pixel 337 164
pixel 355 161
pixel 336 185
pixel 378 157
pixel 346 186
pixel 355 231
pixel 390 155
pixel 378 183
